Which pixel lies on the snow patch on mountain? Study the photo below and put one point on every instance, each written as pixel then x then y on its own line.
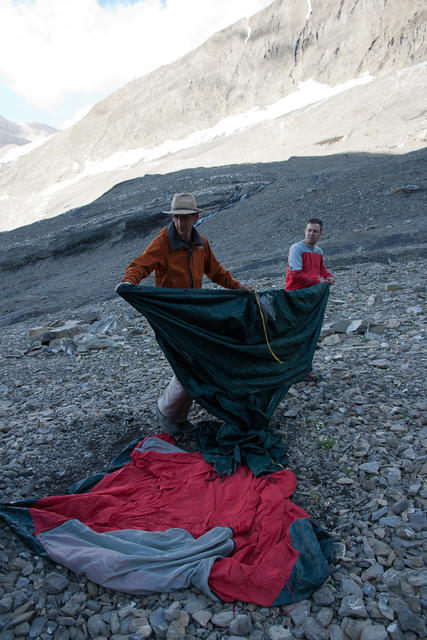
pixel 12 153
pixel 308 93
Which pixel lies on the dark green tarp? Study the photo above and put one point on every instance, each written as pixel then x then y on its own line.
pixel 216 343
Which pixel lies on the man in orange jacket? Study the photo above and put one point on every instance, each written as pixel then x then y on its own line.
pixel 179 256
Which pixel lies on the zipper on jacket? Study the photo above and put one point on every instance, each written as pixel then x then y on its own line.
pixel 190 253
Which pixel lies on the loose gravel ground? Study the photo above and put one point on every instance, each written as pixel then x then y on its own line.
pixel 356 440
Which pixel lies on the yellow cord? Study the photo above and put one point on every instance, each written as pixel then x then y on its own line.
pixel 265 329
pixel 274 356
pixel 279 465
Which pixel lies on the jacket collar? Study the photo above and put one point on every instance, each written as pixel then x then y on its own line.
pixel 175 241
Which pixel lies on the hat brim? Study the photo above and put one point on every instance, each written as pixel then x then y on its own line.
pixel 182 212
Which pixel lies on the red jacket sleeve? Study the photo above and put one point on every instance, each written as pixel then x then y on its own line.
pixel 324 272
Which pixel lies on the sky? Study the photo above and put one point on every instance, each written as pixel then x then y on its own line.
pixel 60 57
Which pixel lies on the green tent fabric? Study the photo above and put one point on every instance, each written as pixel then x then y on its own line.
pixel 217 342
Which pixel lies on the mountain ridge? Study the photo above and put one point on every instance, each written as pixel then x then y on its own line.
pixel 22 133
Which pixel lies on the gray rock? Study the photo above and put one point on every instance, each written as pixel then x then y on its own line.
pixel 374 300
pixel 391 577
pixel 340 326
pixel 313 630
pixel 374 632
pixel 376 327
pixel 89 317
pixel 45 334
pixel 62 633
pixel 324 616
pixel 6 603
pixel 74 604
pixel 390 521
pixel 352 606
pixel 350 587
pixel 140 629
pixel 385 609
pixel 361 447
pixel 418 578
pixel 96 626
pixel 107 325
pixel 223 618
pixel 93 343
pixel 369 590
pixel 55 583
pixel 37 625
pixel 370 467
pixel 393 286
pixel 394 477
pixel 335 632
pixel 330 341
pixel 406 533
pixel 379 547
pixel 158 622
pixel 380 363
pixel 277 632
pixel 408 621
pixel 65 621
pixel 324 596
pixel 173 611
pixel 400 505
pixel 394 632
pixel 353 628
pixel 300 612
pixel 202 617
pixel 114 623
pixel 241 625
pixel 374 572
pixel 196 603
pixel 178 628
pixel 418 520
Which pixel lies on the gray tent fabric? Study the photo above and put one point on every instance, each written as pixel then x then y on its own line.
pixel 139 562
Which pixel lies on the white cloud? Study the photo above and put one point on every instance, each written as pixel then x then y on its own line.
pixel 52 49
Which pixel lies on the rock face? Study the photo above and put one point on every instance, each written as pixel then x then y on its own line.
pixel 372 207
pixel 251 65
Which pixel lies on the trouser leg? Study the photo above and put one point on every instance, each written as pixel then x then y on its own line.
pixel 175 403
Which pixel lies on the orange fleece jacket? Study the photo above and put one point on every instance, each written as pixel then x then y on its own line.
pixel 178 266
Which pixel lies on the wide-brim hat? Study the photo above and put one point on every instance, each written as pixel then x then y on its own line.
pixel 183 203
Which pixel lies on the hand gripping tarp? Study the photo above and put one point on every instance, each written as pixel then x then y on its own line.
pixel 160 519
pixel 236 354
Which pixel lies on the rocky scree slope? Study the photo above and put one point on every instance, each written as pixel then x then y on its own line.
pixel 78 384
pixel 372 206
